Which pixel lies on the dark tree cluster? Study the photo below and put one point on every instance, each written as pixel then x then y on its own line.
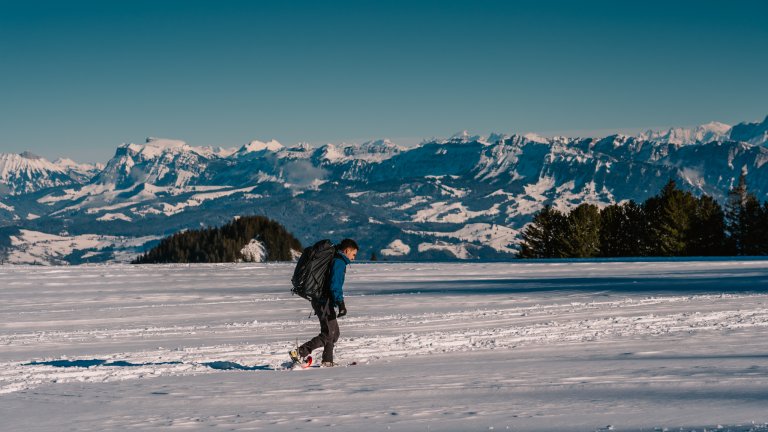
pixel 672 223
pixel 224 244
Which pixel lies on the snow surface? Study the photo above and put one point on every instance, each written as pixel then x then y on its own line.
pixel 34 247
pixel 396 248
pixel 114 216
pixel 199 199
pixel 547 346
pixel 495 236
pixel 459 251
pixel 455 212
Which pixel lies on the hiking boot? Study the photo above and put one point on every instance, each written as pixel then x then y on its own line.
pixel 328 364
pixel 294 356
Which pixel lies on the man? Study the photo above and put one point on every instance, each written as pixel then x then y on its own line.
pixel 346 251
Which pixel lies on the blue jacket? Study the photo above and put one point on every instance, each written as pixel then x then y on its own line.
pixel 338 271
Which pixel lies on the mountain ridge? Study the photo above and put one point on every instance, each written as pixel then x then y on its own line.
pixel 450 198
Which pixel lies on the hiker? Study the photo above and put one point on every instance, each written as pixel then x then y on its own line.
pixel 346 251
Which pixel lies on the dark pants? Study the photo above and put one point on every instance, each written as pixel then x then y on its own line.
pixel 329 331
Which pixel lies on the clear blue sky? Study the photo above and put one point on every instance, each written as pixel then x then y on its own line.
pixel 80 77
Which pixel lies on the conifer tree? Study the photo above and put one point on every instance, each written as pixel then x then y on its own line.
pixel 753 227
pixel 670 221
pixel 611 222
pixel 735 223
pixel 743 220
pixel 636 230
pixel 622 230
pixel 543 237
pixel 707 235
pixel 582 232
pixel 761 233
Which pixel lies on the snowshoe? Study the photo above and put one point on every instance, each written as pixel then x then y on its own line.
pixel 298 361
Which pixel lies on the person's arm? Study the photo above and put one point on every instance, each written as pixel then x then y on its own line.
pixel 338 272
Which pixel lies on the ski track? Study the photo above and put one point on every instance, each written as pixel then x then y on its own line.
pixel 86 307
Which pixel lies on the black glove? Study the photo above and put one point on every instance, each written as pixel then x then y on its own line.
pixel 342 310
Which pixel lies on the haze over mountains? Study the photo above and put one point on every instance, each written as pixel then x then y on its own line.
pixel 465 197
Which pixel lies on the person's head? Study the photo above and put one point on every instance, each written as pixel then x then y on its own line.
pixel 349 248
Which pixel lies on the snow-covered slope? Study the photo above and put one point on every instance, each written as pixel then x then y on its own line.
pixel 160 162
pixel 753 133
pixel 25 173
pixel 463 197
pixel 567 346
pixel 82 172
pixel 32 247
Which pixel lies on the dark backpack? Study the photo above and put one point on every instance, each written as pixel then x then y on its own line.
pixel 310 279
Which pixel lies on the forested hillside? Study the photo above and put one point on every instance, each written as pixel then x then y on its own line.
pixel 252 238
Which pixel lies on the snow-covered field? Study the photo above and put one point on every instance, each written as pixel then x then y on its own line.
pixel 471 346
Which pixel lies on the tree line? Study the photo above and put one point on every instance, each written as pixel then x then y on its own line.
pixel 224 244
pixel 672 223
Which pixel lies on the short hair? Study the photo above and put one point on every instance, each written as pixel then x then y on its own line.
pixel 347 244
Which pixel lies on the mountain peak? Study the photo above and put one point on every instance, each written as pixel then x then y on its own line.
pixel 163 143
pixel 385 142
pixel 154 147
pixel 257 146
pixel 26 161
pixel 69 164
pixel 536 138
pixel 716 126
pixel 30 155
pixel 753 133
pixel 381 146
pixel 464 136
pixel 496 137
pixel 26 172
pixel 712 131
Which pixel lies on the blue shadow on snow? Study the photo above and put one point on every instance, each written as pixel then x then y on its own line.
pixel 695 283
pixel 218 365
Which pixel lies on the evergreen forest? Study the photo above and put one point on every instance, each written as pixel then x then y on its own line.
pixel 224 244
pixel 672 223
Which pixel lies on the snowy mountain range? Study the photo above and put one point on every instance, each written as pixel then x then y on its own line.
pixel 465 197
pixel 26 172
